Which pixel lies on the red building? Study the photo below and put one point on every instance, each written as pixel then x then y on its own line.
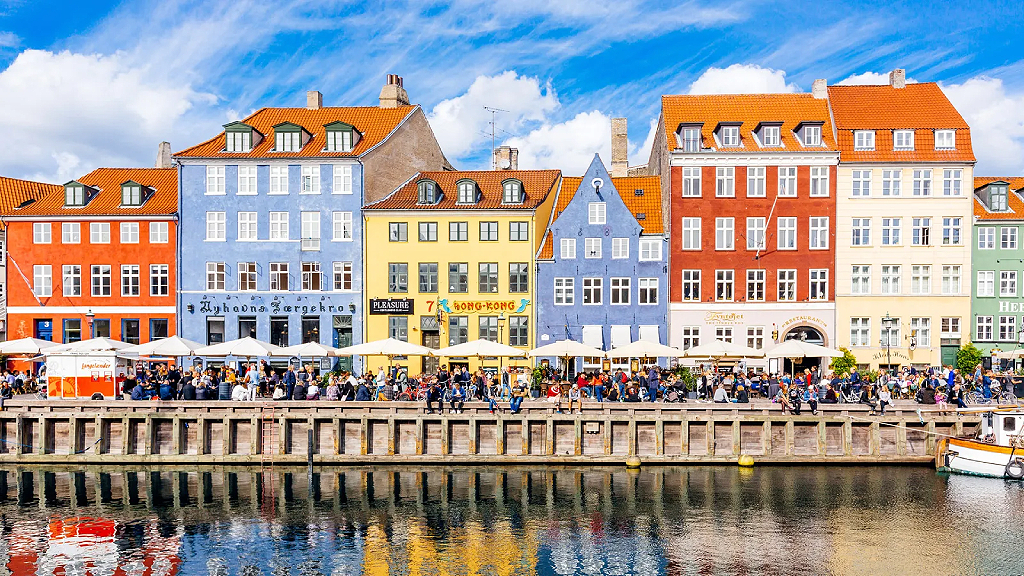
pixel 752 215
pixel 95 257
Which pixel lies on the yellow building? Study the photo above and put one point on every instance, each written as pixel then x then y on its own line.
pixel 450 257
pixel 903 236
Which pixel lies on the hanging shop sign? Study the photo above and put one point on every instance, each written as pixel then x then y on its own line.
pixel 479 306
pixel 391 305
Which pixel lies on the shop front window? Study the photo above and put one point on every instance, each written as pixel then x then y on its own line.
pixel 247 327
pixel 310 329
pixel 279 330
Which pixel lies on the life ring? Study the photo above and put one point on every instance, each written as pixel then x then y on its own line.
pixel 1014 469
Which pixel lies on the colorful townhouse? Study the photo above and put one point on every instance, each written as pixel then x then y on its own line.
pixel 602 275
pixel 748 187
pixel 272 238
pixel 451 256
pixel 903 253
pixel 96 257
pixel 997 302
pixel 14 193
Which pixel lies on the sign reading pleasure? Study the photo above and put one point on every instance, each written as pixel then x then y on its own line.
pixel 391 305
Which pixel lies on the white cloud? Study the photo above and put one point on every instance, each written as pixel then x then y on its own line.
pixel 869 78
pixel 65 112
pixel 568 146
pixel 641 154
pixel 462 124
pixel 996 118
pixel 742 79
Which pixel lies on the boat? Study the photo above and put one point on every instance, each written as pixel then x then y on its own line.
pixel 996 449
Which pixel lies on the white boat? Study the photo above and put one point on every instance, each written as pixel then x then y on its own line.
pixel 996 450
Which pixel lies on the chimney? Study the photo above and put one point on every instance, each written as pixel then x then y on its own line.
pixel 314 100
pixel 620 148
pixel 506 158
pixel 163 155
pixel 819 89
pixel 393 95
pixel 898 78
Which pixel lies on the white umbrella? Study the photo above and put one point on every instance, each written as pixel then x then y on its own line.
pixel 247 347
pixel 479 348
pixel 25 347
pixel 172 347
pixel 566 349
pixel 309 350
pixel 91 345
pixel 720 349
pixel 388 347
pixel 645 349
pixel 801 349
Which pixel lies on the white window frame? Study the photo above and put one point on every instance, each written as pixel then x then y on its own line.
pixel 216 230
pixel 342 226
pixel 755 233
pixel 42 280
pixel 921 329
pixel 861 183
pixel 309 179
pixel 786 285
pixel 131 280
pixel 691 182
pixel 647 291
pixel 278 179
pixel 725 182
pixel 725 285
pixel 278 272
pixel 1008 238
pixel 892 182
pixel 863 140
pixel 941 137
pixel 986 284
pixel 341 175
pixel 812 136
pixel 892 229
pixel 725 233
pixel 819 232
pixel 593 290
pixel 246 180
pixel 952 181
pixel 756 182
pixel 951 279
pixel 921 231
pixel 650 249
pixel 819 182
pixel 129 232
pixel 922 182
pixel 71 280
pixel 159 232
pixel 619 288
pixel 620 248
pixel 100 280
pixel 310 230
pixel 71 233
pixel 216 273
pixel 248 227
pixel 983 328
pixel 567 248
pixel 860 232
pixel 597 213
pixel 690 285
pixel 952 231
pixel 592 248
pixel 215 180
pixel 730 136
pixel 860 279
pixel 41 232
pixel 565 291
pixel 787 185
pixel 771 136
pixel 986 237
pixel 1008 283
pixel 892 279
pixel 818 285
pixel 691 233
pixel 786 229
pixel 342 277
pixel 159 280
pixel 902 140
pixel 99 232
pixel 756 284
pixel 279 226
pixel 920 279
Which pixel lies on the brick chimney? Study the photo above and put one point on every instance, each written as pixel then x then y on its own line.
pixel 506 158
pixel 314 100
pixel 620 148
pixel 819 89
pixel 898 78
pixel 163 155
pixel 393 95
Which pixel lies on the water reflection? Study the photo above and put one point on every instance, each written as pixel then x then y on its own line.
pixel 715 520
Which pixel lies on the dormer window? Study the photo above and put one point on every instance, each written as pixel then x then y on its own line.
pixel 997 198
pixel 467 192
pixel 690 138
pixel 945 140
pixel 730 135
pixel 131 194
pixel 771 136
pixel 812 135
pixel 427 192
pixel 74 194
pixel 239 137
pixel 863 140
pixel 341 137
pixel 289 137
pixel 512 192
pixel 903 140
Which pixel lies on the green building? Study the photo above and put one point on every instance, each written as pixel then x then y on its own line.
pixel 997 260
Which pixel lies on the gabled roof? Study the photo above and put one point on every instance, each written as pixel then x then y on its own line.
pixel 1013 201
pixel 750 110
pixel 921 107
pixel 14 192
pixel 649 204
pixel 107 202
pixel 374 123
pixel 547 247
pixel 537 184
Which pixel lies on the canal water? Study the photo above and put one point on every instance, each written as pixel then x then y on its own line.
pixel 503 521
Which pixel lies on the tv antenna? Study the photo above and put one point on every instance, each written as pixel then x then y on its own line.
pixel 493 111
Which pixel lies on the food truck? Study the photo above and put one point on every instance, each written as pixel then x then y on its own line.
pixel 84 374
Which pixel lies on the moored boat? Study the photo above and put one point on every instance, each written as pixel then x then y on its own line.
pixel 995 450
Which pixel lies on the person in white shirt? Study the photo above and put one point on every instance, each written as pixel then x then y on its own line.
pixel 239 393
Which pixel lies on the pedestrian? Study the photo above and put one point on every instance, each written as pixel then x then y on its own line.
pixel 458 397
pixel 290 380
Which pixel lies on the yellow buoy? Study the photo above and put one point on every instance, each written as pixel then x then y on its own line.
pixel 746 461
pixel 632 462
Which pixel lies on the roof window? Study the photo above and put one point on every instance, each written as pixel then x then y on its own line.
pixel 240 137
pixel 341 137
pixel 74 194
pixel 427 192
pixel 467 191
pixel 289 137
pixel 512 191
pixel 131 194
pixel 863 140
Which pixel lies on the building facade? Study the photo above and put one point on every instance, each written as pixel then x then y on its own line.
pixel 96 257
pixel 904 196
pixel 997 302
pixel 602 275
pixel 14 194
pixel 450 258
pixel 752 210
pixel 272 234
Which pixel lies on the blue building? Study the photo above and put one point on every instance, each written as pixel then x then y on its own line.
pixel 270 226
pixel 602 276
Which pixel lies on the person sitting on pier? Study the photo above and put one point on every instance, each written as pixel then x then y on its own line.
pixel 867 396
pixel 884 398
pixel 782 397
pixel 720 396
pixel 238 392
pixel 434 394
pixel 299 391
pixel 458 398
pixel 555 395
pixel 795 397
pixel 519 392
pixel 742 396
pixel 632 393
pixel 574 396
pixel 830 395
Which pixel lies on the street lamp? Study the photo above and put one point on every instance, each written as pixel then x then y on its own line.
pixel 887 322
pixel 88 320
pixel 501 330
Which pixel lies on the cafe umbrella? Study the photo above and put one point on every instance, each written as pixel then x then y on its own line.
pixel 564 350
pixel 796 348
pixel 25 347
pixel 173 347
pixel 389 347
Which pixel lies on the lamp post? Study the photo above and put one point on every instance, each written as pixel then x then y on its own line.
pixel 887 323
pixel 88 320
pixel 501 333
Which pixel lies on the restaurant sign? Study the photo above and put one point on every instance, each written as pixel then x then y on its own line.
pixel 479 306
pixel 391 306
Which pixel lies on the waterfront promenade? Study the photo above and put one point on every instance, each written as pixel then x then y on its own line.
pixel 293 433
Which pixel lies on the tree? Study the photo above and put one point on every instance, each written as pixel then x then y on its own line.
pixel 843 364
pixel 967 358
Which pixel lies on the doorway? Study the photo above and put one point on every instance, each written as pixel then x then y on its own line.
pixel 44 329
pixel 342 337
pixel 807 334
pixel 432 340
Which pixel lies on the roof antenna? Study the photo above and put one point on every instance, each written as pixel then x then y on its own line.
pixel 493 111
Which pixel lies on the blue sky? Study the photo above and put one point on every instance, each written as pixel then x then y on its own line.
pixel 88 84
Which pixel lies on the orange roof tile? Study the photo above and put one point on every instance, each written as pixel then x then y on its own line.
pixel 163 183
pixel 13 192
pixel 1014 200
pixel 649 204
pixel 921 107
pixel 373 123
pixel 750 110
pixel 537 184
pixel 547 247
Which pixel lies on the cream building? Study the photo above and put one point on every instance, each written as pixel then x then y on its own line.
pixel 904 211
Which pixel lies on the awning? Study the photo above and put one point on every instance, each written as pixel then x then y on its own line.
pixel 592 337
pixel 650 334
pixel 620 335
